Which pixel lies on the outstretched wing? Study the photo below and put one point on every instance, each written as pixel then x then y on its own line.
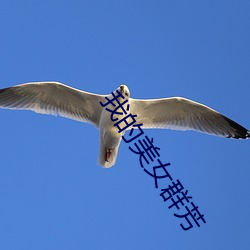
pixel 182 114
pixel 55 99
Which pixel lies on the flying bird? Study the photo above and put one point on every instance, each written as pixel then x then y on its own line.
pixel 175 113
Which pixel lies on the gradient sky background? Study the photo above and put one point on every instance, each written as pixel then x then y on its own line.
pixel 53 195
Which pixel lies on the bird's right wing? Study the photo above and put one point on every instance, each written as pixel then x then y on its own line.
pixel 53 98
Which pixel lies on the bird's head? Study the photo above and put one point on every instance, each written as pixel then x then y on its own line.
pixel 124 90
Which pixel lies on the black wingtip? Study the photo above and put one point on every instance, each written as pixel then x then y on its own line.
pixel 239 131
pixel 3 90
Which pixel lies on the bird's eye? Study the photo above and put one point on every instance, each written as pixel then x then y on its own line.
pixel 126 93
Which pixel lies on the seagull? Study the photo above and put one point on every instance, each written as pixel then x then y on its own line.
pixel 175 113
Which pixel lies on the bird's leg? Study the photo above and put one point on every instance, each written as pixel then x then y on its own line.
pixel 108 154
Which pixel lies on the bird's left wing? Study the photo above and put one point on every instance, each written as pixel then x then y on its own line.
pixel 182 114
pixel 53 98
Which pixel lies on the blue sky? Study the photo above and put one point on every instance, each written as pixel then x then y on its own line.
pixel 53 194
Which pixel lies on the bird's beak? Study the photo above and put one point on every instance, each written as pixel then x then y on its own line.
pixel 122 88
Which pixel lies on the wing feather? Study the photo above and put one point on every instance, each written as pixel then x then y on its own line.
pixel 183 114
pixel 53 98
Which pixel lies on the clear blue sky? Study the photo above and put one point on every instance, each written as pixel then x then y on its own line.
pixel 53 194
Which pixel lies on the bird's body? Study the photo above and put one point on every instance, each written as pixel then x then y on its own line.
pixel 110 140
pixel 169 113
